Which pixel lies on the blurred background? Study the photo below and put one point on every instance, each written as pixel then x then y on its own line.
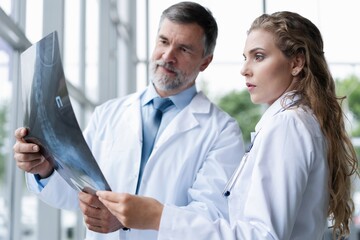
pixel 106 46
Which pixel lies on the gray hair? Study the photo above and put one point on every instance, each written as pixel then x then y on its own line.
pixel 190 12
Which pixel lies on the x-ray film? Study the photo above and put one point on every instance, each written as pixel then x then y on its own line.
pixel 50 118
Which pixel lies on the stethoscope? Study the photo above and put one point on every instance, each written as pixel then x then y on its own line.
pixel 230 184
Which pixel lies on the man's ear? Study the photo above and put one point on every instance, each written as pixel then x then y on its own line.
pixel 298 63
pixel 206 61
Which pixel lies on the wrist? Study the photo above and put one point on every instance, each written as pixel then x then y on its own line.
pixel 46 169
pixel 158 214
pixel 45 174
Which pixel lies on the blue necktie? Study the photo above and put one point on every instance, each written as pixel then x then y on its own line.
pixel 150 130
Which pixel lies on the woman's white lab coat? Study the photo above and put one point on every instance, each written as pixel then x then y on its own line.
pixel 189 166
pixel 281 193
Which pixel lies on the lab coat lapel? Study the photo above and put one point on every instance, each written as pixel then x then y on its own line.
pixel 186 119
pixel 134 113
pixel 275 108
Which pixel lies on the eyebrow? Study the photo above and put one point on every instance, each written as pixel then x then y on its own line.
pixel 254 50
pixel 162 37
pixel 190 47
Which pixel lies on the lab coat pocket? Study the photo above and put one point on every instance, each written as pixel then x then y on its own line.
pixel 119 157
pixel 240 190
pixel 236 199
pixel 101 150
pixel 107 151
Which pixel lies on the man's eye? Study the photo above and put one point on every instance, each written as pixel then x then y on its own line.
pixel 162 41
pixel 185 50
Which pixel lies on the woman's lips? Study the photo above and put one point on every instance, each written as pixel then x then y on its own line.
pixel 250 86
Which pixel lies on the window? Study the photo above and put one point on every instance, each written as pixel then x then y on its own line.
pixel 5 100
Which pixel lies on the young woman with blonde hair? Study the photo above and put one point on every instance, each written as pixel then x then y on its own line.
pixel 299 171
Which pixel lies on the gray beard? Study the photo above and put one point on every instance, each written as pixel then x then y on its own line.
pixel 166 83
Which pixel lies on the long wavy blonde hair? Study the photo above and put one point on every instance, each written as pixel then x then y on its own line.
pixel 294 35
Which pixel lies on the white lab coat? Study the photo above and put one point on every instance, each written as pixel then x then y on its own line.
pixel 281 193
pixel 190 164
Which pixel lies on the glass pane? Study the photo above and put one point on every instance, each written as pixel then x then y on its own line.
pixel 5 100
pixel 72 42
pixel 92 50
pixel 34 19
pixel 68 224
pixel 6 6
pixel 29 202
pixel 29 206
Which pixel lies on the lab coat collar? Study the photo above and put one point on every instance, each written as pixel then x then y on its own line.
pixel 200 104
pixel 186 119
pixel 275 108
pixel 180 100
pixel 134 98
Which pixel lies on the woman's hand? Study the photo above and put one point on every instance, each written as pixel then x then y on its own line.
pixel 133 211
pixel 97 217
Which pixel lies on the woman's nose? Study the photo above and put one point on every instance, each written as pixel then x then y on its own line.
pixel 244 69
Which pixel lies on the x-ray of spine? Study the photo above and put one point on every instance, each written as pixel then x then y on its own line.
pixel 50 118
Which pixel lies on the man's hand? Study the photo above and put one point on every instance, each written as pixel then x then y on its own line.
pixel 28 158
pixel 96 216
pixel 133 211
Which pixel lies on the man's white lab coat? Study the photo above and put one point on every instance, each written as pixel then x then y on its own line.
pixel 189 166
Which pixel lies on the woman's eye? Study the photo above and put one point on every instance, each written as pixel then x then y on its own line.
pixel 259 57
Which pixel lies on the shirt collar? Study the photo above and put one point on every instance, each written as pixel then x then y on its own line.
pixel 180 100
pixel 149 95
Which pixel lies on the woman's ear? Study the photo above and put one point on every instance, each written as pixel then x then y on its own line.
pixel 298 63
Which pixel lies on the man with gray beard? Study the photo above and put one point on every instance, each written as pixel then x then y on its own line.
pixel 193 151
